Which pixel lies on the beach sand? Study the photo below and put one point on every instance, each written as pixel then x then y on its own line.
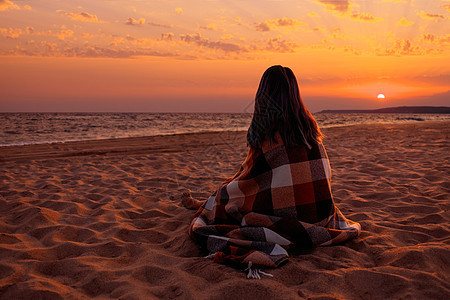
pixel 103 219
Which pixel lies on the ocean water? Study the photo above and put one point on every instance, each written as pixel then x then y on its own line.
pixel 36 128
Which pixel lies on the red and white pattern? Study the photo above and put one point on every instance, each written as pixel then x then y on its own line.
pixel 279 199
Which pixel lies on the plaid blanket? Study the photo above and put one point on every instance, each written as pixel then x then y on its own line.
pixel 279 199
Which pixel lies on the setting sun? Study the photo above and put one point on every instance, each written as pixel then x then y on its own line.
pixel 381 96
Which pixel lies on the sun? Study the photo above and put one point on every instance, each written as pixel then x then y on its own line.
pixel 381 97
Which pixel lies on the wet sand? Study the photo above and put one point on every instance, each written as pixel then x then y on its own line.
pixel 103 219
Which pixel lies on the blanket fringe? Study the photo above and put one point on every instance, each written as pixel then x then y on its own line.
pixel 211 255
pixel 255 273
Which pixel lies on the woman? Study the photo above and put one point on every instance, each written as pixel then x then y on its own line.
pixel 280 198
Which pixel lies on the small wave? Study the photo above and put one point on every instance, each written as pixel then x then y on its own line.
pixel 37 128
pixel 411 119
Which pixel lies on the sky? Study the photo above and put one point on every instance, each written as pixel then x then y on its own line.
pixel 208 56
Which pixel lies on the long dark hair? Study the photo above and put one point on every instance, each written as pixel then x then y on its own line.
pixel 279 108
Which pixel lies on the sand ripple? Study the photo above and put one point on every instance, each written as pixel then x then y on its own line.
pixel 101 219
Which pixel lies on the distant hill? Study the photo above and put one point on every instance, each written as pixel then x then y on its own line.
pixel 397 110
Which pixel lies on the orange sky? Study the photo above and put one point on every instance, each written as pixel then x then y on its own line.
pixel 209 55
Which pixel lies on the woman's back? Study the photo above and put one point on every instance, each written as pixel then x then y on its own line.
pixel 291 182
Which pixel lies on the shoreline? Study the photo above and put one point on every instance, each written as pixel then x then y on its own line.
pixel 129 145
pixel 150 143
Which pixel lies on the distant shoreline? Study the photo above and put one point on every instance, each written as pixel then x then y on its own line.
pixel 396 110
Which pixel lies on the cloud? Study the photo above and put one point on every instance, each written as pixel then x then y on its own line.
pixel 63 34
pixel 142 42
pixel 341 6
pixel 366 17
pixel 444 39
pixel 280 46
pixel 401 47
pixel 67 43
pixel 404 22
pixel 83 16
pixel 48 49
pixel 131 21
pixel 178 10
pixel 425 15
pixel 27 7
pixel 270 25
pixel 429 37
pixel 395 1
pixel 6 4
pixel 413 47
pixel 86 35
pixel 159 25
pixel 204 42
pixel 350 49
pixel 95 51
pixel 167 36
pixel 437 40
pixel 263 26
pixel 287 22
pixel 227 36
pixel 446 7
pixel 11 33
pixel 274 45
pixel 210 26
pixel 337 33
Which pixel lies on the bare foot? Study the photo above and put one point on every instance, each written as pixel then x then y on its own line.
pixel 189 202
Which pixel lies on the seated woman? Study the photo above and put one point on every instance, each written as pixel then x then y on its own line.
pixel 280 198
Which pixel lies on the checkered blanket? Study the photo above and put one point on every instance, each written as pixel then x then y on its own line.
pixel 280 199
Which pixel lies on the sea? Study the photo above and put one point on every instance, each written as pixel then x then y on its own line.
pixel 39 128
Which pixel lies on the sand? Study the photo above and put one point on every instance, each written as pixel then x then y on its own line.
pixel 103 219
